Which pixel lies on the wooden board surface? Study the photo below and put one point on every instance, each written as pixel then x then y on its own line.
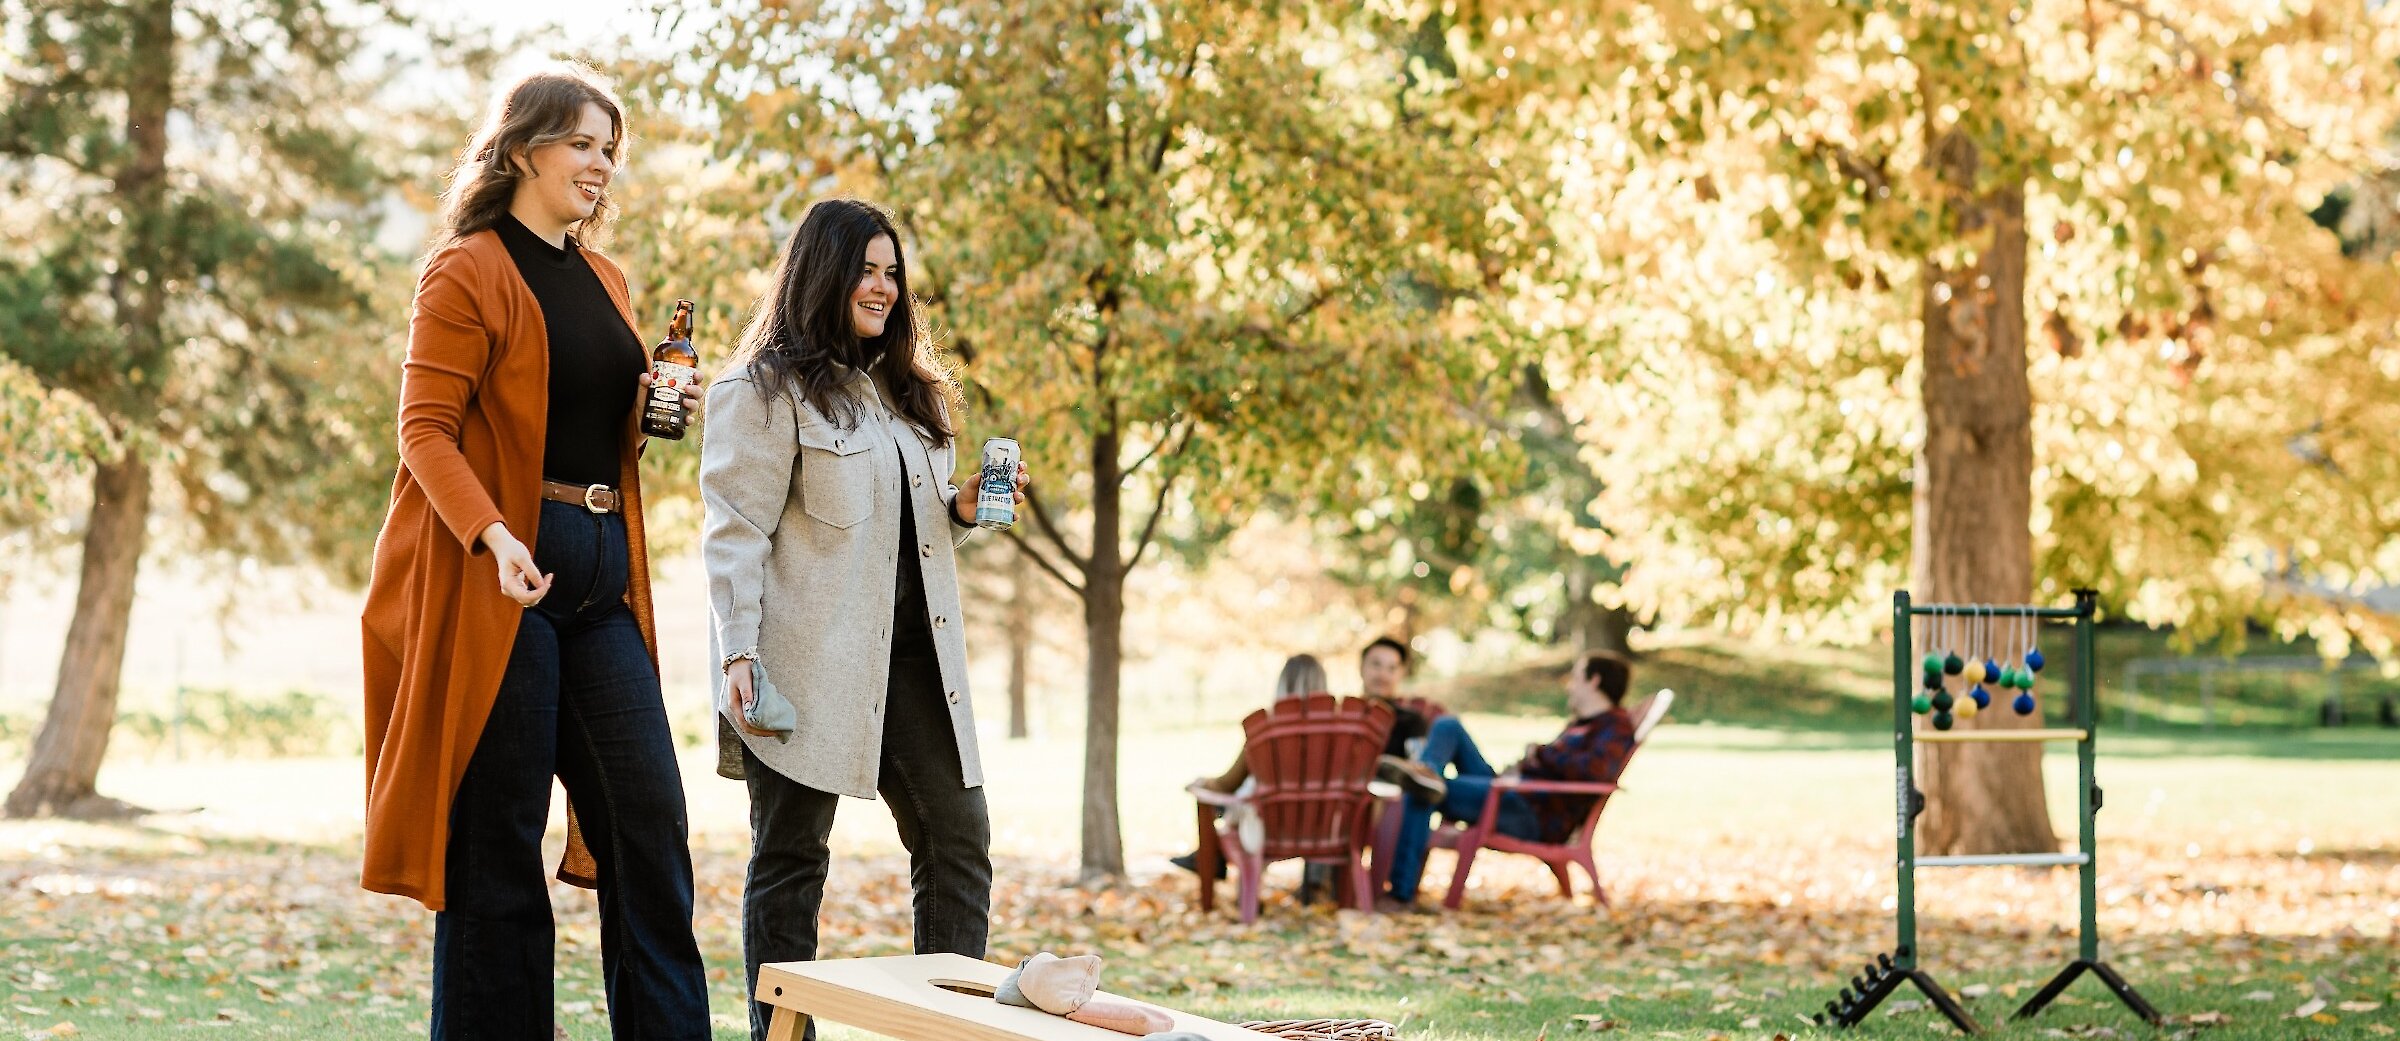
pixel 899 998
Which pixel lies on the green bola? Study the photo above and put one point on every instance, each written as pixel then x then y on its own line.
pixel 1920 704
pixel 1933 663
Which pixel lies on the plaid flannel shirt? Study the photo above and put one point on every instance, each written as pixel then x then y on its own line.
pixel 1593 748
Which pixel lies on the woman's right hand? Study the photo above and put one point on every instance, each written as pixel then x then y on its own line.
pixel 739 684
pixel 520 580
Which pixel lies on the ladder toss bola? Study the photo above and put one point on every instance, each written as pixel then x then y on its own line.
pixel 1982 647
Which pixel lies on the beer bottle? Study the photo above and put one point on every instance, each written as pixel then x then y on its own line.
pixel 673 367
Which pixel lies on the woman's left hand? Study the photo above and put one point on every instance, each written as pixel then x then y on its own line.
pixel 963 506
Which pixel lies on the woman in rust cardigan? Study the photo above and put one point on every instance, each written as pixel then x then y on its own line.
pixel 507 627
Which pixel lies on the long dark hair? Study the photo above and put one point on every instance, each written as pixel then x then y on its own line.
pixel 800 339
pixel 532 112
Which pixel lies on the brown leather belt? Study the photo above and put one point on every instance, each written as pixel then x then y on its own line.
pixel 598 498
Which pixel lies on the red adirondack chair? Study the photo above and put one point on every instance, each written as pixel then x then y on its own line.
pixel 1310 760
pixel 1470 839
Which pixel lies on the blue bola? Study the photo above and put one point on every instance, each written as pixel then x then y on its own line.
pixel 2023 704
pixel 1981 697
pixel 2033 660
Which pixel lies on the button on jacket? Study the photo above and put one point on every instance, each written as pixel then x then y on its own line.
pixel 801 540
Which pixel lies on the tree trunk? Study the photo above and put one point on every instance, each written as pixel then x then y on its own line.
pixel 1589 625
pixel 1103 623
pixel 64 769
pixel 1019 627
pixel 62 775
pixel 1974 508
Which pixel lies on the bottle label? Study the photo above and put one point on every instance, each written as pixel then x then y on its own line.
pixel 667 381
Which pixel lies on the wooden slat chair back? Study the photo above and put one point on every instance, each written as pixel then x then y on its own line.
pixel 1576 848
pixel 1310 760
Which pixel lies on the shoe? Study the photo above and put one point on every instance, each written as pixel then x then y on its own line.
pixel 1191 862
pixel 1385 903
pixel 1413 777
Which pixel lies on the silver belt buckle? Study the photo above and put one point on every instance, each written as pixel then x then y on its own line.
pixel 589 493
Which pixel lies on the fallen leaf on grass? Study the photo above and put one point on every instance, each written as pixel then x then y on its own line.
pixel 2359 1006
pixel 2204 1019
pixel 2314 1006
pixel 2259 995
pixel 1593 1022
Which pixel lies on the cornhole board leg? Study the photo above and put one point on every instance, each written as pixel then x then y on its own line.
pixel 787 1025
pixel 934 997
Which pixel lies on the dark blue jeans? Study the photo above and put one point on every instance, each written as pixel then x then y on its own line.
pixel 1449 748
pixel 943 824
pixel 580 701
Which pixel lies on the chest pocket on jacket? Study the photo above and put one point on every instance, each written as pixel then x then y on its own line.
pixel 837 478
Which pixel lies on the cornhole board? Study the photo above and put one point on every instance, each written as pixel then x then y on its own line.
pixel 933 997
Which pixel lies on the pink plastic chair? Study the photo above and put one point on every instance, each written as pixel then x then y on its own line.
pixel 1468 840
pixel 1310 759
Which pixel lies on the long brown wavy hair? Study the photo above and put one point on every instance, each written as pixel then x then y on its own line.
pixel 535 111
pixel 799 340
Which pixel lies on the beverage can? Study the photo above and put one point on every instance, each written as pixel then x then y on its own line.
pixel 996 484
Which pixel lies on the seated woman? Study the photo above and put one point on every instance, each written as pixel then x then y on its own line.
pixel 1593 747
pixel 1302 675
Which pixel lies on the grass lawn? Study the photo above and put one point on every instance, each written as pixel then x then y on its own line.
pixel 1749 866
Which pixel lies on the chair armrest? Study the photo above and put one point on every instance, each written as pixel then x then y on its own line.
pixel 1222 800
pixel 1521 785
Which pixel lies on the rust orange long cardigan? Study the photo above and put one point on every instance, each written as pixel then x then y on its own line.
pixel 474 408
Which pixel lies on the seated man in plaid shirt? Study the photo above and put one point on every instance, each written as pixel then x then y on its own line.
pixel 1592 748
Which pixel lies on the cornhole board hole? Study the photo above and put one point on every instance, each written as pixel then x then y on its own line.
pixel 934 997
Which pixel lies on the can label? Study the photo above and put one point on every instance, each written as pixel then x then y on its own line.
pixel 996 485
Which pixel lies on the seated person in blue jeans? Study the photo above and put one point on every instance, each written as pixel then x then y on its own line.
pixel 1451 775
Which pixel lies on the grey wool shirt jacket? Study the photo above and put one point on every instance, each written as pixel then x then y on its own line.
pixel 800 538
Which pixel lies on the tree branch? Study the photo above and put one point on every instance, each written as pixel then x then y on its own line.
pixel 1166 118
pixel 1158 508
pixel 1025 546
pixel 1181 425
pixel 1041 517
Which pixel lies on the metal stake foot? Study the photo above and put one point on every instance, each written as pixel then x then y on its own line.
pixel 2116 985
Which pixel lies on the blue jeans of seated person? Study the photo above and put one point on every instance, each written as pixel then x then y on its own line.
pixel 579 701
pixel 1449 748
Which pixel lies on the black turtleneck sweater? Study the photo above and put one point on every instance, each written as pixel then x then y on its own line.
pixel 596 363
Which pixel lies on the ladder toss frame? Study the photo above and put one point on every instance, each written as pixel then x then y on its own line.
pixel 1889 972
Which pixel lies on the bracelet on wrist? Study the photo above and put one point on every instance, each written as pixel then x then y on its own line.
pixel 748 655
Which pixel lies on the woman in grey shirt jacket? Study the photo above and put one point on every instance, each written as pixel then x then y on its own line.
pixel 825 467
